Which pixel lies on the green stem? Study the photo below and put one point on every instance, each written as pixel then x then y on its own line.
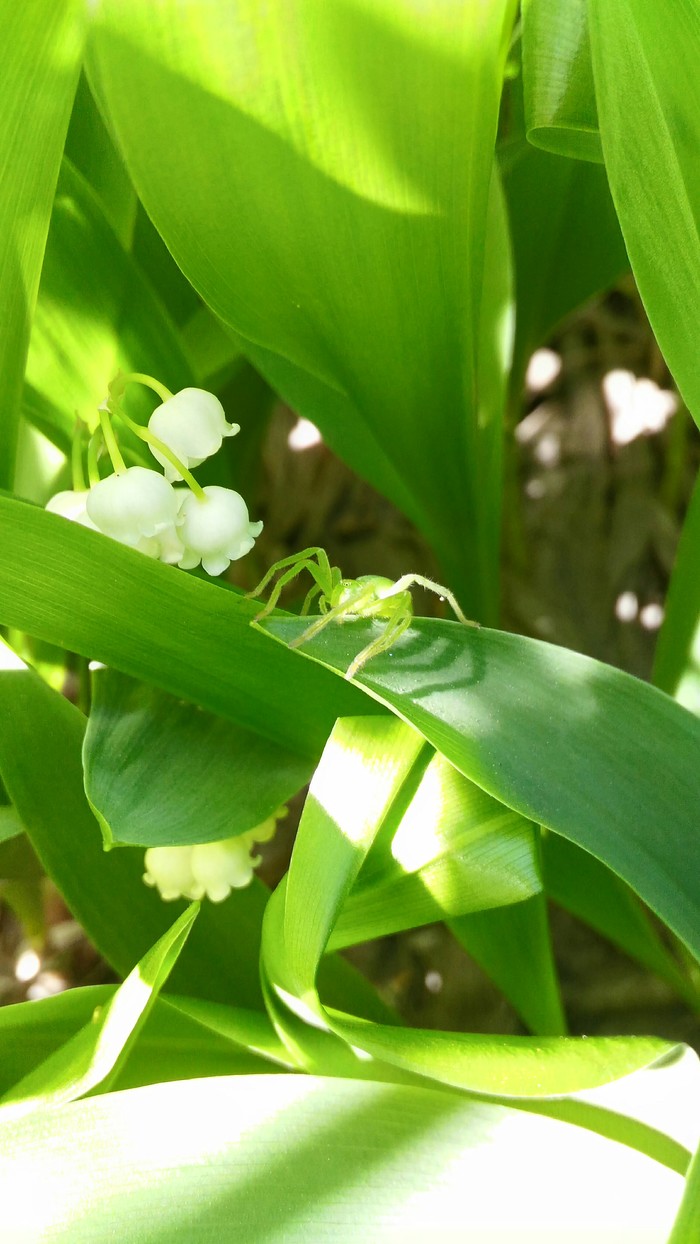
pixel 150 438
pixel 111 443
pixel 120 382
pixel 76 458
pixel 93 469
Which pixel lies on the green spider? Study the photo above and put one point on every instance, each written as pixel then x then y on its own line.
pixel 340 600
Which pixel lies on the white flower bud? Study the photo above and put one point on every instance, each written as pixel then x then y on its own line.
pixel 209 868
pixel 192 424
pixel 216 530
pixel 135 504
pixel 71 505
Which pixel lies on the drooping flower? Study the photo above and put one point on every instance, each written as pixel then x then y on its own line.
pixel 71 504
pixel 133 506
pixel 193 425
pixel 210 869
pixel 215 529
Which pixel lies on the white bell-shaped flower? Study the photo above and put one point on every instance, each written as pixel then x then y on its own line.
pixel 170 869
pixel 209 868
pixel 134 505
pixel 71 504
pixel 193 425
pixel 216 529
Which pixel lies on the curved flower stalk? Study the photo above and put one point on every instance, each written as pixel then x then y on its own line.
pixel 215 530
pixel 209 869
pixel 192 424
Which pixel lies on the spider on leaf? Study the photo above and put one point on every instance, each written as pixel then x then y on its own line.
pixel 341 600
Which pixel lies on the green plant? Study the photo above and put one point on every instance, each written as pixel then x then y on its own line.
pixel 382 207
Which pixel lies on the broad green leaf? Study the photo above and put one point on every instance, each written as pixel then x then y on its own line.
pixel 596 895
pixel 105 892
pixel 514 947
pixel 42 47
pixel 567 243
pixel 189 637
pixel 93 154
pixel 560 101
pixel 91 1058
pixel 648 93
pixel 579 747
pixel 96 313
pixel 300 1157
pixel 372 758
pixel 454 850
pixel 160 772
pixel 677 655
pixel 687 1224
pixel 180 1038
pixel 10 824
pixel 337 223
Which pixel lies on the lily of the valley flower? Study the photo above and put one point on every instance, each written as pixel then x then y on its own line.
pixel 193 425
pixel 133 506
pixel 215 529
pixel 71 504
pixel 210 869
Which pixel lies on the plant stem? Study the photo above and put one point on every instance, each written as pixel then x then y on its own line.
pixel 111 443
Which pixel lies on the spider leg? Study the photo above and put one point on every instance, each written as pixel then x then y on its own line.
pixel 314 591
pixel 408 579
pixel 302 558
pixel 338 614
pixel 392 631
pixel 289 574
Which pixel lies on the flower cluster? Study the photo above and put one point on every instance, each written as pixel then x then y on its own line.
pixel 140 507
pixel 210 868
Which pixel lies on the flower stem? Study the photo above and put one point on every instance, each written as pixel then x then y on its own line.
pixel 121 380
pixel 111 442
pixel 93 469
pixel 150 438
pixel 76 458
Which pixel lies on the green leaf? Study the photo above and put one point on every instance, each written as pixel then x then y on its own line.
pixel 648 93
pixel 92 1056
pixel 592 892
pixel 10 824
pixel 180 1038
pixel 687 1224
pixel 95 314
pixel 372 758
pixel 677 655
pixel 514 947
pixel 299 1158
pixel 106 892
pixel 159 772
pixel 560 101
pixel 189 637
pixel 93 154
pixel 454 850
pixel 494 706
pixel 360 193
pixel 42 47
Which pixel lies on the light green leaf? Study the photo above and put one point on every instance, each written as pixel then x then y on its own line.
pixel 96 313
pixel 677 655
pixel 299 1158
pixel 10 824
pixel 160 772
pixel 494 707
pixel 560 101
pixel 687 1224
pixel 514 947
pixel 91 1057
pixel 180 1038
pixel 372 758
pixel 648 93
pixel 42 47
pixel 93 154
pixel 337 223
pixel 189 637
pixel 454 850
